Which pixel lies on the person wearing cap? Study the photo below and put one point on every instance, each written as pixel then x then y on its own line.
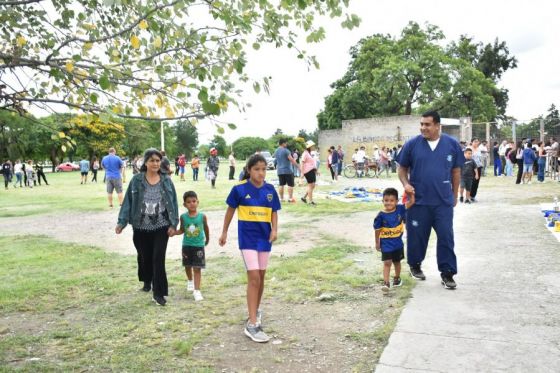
pixel 212 164
pixel 309 171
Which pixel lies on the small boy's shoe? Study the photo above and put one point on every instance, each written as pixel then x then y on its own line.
pixel 386 287
pixel 256 333
pixel 461 199
pixel 197 296
pixel 397 281
pixel 303 199
pixel 312 204
pixel 468 201
pixel 160 301
pixel 190 286
pixel 447 281
pixel 417 273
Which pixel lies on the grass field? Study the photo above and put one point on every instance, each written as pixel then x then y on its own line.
pixel 69 307
pixel 66 194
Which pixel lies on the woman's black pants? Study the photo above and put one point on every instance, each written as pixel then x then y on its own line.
pixel 151 247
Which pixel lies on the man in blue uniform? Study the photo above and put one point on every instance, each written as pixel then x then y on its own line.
pixel 430 168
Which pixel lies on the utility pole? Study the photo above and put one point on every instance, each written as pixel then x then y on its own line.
pixel 162 137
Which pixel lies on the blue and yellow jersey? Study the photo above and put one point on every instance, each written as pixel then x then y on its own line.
pixel 391 225
pixel 254 211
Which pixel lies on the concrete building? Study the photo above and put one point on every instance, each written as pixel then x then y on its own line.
pixel 388 131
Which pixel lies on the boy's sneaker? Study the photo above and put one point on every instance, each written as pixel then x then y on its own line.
pixel 259 317
pixel 417 273
pixel 468 201
pixel 197 295
pixel 255 333
pixel 397 281
pixel 160 301
pixel 447 281
pixel 190 286
pixel 461 199
pixel 312 204
pixel 386 287
pixel 303 199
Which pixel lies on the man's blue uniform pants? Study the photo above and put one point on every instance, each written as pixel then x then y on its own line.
pixel 420 220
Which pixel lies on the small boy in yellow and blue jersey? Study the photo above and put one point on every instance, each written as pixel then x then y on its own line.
pixel 389 229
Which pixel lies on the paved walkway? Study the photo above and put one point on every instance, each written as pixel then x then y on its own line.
pixel 505 313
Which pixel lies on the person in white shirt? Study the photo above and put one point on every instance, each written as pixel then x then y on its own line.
pixel 18 171
pixel 360 160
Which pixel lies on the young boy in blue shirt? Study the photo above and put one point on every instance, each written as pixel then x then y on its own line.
pixel 389 228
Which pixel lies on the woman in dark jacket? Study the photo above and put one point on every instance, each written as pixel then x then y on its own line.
pixel 150 206
pixel 213 164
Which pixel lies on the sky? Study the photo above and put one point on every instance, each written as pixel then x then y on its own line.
pixel 297 94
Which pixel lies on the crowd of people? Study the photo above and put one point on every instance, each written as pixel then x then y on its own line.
pixel 23 174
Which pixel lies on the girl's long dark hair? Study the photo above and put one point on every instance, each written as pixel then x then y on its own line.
pixel 147 155
pixel 251 162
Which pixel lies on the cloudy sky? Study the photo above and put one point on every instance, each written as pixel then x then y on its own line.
pixel 530 29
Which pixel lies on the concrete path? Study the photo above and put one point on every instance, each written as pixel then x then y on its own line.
pixel 504 315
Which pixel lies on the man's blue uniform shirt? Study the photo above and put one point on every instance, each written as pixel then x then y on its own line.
pixel 430 170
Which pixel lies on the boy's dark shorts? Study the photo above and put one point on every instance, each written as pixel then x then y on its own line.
pixel 467 184
pixel 286 179
pixel 396 256
pixel 193 257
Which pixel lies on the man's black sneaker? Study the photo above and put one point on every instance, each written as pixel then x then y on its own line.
pixel 448 282
pixel 468 201
pixel 417 273
pixel 397 281
pixel 160 301
pixel 147 287
pixel 303 199
pixel 461 199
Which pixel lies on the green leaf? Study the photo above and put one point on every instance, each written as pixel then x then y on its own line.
pixel 93 98
pixel 232 126
pixel 220 130
pixel 203 95
pixel 256 46
pixel 257 87
pixel 210 108
pixel 104 82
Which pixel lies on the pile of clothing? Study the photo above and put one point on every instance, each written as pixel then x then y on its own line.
pixel 552 219
pixel 356 194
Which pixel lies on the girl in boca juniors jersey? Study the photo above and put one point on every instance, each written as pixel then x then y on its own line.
pixel 257 204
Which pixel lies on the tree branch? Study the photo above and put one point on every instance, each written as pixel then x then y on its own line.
pixel 18 2
pixel 112 36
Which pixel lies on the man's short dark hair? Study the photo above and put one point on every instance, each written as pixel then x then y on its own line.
pixel 434 114
pixel 391 192
pixel 467 150
pixel 189 194
pixel 282 141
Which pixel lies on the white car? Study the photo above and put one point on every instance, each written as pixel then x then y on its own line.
pixel 269 160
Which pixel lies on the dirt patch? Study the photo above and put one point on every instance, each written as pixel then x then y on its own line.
pixel 309 337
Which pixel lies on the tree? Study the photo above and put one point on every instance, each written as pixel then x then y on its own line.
pixel 399 76
pixel 220 144
pixel 94 137
pixel 492 60
pixel 187 137
pixel 244 147
pixel 140 135
pixel 166 59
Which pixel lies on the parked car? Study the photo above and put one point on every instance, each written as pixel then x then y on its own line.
pixel 67 166
pixel 269 160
